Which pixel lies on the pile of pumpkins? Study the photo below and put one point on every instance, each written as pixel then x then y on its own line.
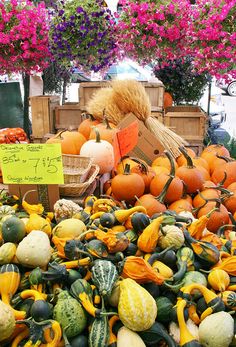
pixel 151 262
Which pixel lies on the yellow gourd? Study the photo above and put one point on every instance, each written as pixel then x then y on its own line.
pixel 137 309
pixel 37 222
pixel 218 279
pixel 147 241
pixel 163 269
pixel 122 215
pixel 7 253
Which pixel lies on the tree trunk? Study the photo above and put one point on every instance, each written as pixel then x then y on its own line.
pixel 26 84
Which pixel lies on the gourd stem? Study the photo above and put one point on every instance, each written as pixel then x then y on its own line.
pixel 98 138
pixel 187 157
pixel 224 227
pixel 29 191
pixel 232 219
pixel 141 163
pixel 184 190
pixel 221 183
pixel 162 195
pixel 172 165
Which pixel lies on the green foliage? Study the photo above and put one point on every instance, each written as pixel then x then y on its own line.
pixel 54 77
pixel 184 84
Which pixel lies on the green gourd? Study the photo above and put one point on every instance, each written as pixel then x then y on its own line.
pixel 104 276
pixel 70 314
pixel 99 333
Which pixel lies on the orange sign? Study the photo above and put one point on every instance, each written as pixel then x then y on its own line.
pixel 125 140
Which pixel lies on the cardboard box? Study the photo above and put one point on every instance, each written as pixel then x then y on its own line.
pixel 148 147
pixel 45 194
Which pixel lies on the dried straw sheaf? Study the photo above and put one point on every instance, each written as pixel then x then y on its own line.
pixel 103 100
pixel 129 96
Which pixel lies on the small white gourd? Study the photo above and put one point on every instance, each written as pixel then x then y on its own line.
pixel 127 337
pixel 34 250
pixel 216 330
pixel 7 321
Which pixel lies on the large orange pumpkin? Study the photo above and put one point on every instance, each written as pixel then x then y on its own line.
pixel 86 125
pixel 107 131
pixel 191 176
pixel 128 185
pixel 228 169
pixel 217 218
pixel 71 141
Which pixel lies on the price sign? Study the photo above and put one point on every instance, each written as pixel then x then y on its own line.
pixel 31 164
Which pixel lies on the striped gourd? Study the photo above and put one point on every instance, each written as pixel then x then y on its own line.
pixel 104 276
pixel 99 333
pixel 137 308
pixel 229 299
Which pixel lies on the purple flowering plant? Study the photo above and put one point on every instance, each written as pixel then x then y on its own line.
pixel 82 34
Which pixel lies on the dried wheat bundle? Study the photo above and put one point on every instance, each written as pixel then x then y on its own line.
pixel 130 96
pixel 103 100
pixel 170 140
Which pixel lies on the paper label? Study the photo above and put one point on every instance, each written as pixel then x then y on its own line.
pixel 31 163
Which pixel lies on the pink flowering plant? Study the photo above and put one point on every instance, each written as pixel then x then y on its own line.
pixel 82 34
pixel 170 30
pixel 24 43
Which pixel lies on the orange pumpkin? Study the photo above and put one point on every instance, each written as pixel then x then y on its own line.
pixel 86 125
pixel 128 185
pixel 125 160
pixel 180 205
pixel 160 169
pixel 151 204
pixel 174 190
pixel 162 160
pixel 181 160
pixel 228 169
pixel 107 131
pixel 71 141
pixel 217 218
pixel 168 100
pixel 147 174
pixel 206 194
pixel 191 175
pixel 198 161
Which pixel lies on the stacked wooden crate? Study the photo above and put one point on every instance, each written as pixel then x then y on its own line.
pixel 190 122
pixel 49 117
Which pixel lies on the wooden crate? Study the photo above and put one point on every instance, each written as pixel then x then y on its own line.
pixel 155 92
pixel 196 145
pixel 87 90
pixel 188 122
pixel 43 114
pixel 68 116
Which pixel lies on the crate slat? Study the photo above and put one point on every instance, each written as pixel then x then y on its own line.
pixel 43 114
pixel 68 117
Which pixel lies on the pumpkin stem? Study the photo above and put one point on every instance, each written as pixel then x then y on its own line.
pixel 224 158
pixel 107 123
pixel 171 160
pixel 221 183
pixel 59 134
pixel 142 163
pixel 162 195
pixel 187 157
pixel 127 169
pixel 184 190
pixel 98 138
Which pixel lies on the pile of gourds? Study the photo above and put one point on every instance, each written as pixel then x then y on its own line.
pixel 112 273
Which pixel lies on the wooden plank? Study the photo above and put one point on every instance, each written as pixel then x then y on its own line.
pixel 87 90
pixel 42 111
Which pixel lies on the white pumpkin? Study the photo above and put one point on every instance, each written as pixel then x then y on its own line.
pixel 101 151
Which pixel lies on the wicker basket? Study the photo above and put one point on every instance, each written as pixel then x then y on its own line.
pixel 77 189
pixel 75 168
